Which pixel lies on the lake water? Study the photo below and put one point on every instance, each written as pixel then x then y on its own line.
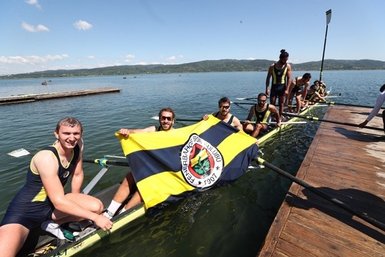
pixel 228 221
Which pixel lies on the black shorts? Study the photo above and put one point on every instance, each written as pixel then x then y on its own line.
pixel 30 217
pixel 277 90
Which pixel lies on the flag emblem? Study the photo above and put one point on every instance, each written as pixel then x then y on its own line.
pixel 202 163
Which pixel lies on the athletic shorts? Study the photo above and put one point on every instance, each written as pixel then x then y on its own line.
pixel 277 90
pixel 30 217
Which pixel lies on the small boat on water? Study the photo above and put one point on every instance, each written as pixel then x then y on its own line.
pixel 40 243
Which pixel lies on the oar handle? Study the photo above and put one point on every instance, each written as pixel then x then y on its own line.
pixel 353 105
pixel 318 192
pixel 106 162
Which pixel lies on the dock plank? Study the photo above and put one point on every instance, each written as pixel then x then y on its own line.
pixel 347 163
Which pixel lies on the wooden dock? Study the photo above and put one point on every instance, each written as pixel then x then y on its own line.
pixel 17 99
pixel 348 164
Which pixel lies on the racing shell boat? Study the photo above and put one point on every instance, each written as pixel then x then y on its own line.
pixel 47 245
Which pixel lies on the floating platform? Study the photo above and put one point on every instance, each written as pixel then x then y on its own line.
pixel 346 163
pixel 17 99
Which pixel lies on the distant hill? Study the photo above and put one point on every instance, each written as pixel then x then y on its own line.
pixel 224 65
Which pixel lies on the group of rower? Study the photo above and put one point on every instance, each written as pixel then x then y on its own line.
pixel 42 201
pixel 285 88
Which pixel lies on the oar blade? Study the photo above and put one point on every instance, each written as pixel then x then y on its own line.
pixel 19 153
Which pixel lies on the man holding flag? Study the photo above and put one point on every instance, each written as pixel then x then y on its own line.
pixel 128 186
pixel 168 164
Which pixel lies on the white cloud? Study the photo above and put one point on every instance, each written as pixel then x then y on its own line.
pixel 82 25
pixel 33 2
pixel 32 28
pixel 31 59
pixel 174 58
pixel 129 58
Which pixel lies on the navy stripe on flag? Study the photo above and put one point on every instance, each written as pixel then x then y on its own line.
pixel 150 162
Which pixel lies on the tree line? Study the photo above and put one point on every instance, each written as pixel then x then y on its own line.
pixel 225 65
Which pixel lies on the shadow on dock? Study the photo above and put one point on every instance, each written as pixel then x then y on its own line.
pixel 357 200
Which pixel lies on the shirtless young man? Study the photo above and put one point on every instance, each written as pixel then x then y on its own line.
pixel 298 88
pixel 42 199
pixel 261 112
pixel 128 185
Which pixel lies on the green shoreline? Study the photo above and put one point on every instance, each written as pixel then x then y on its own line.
pixel 225 65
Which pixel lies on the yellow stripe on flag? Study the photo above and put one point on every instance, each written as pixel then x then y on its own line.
pixel 241 140
pixel 159 187
pixel 150 140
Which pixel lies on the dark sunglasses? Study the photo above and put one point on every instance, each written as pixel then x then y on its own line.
pixel 225 106
pixel 169 118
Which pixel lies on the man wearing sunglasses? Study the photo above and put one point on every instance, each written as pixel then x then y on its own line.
pixel 128 186
pixel 224 105
pixel 260 113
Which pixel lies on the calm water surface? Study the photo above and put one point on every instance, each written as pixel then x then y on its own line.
pixel 228 221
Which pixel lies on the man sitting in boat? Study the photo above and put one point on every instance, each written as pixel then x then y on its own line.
pixel 128 186
pixel 42 199
pixel 224 105
pixel 299 88
pixel 260 113
pixel 314 94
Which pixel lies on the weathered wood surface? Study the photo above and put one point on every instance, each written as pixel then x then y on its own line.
pixel 347 163
pixel 17 99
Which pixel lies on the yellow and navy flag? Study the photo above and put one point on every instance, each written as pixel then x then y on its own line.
pixel 166 164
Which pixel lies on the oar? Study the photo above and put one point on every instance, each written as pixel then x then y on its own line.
pixel 23 152
pixel 318 192
pixel 330 121
pixel 242 121
pixel 246 98
pixel 286 122
pixel 353 105
pixel 243 103
pixel 104 163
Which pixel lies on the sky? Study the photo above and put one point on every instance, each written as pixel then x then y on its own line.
pixel 39 35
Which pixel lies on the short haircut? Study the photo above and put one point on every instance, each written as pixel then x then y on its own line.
pixel 223 100
pixel 69 121
pixel 261 94
pixel 306 75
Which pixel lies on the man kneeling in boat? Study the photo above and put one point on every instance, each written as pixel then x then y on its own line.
pixel 260 113
pixel 224 105
pixel 128 186
pixel 42 199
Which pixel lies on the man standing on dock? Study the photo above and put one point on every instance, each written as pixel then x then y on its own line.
pixel 380 100
pixel 281 73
